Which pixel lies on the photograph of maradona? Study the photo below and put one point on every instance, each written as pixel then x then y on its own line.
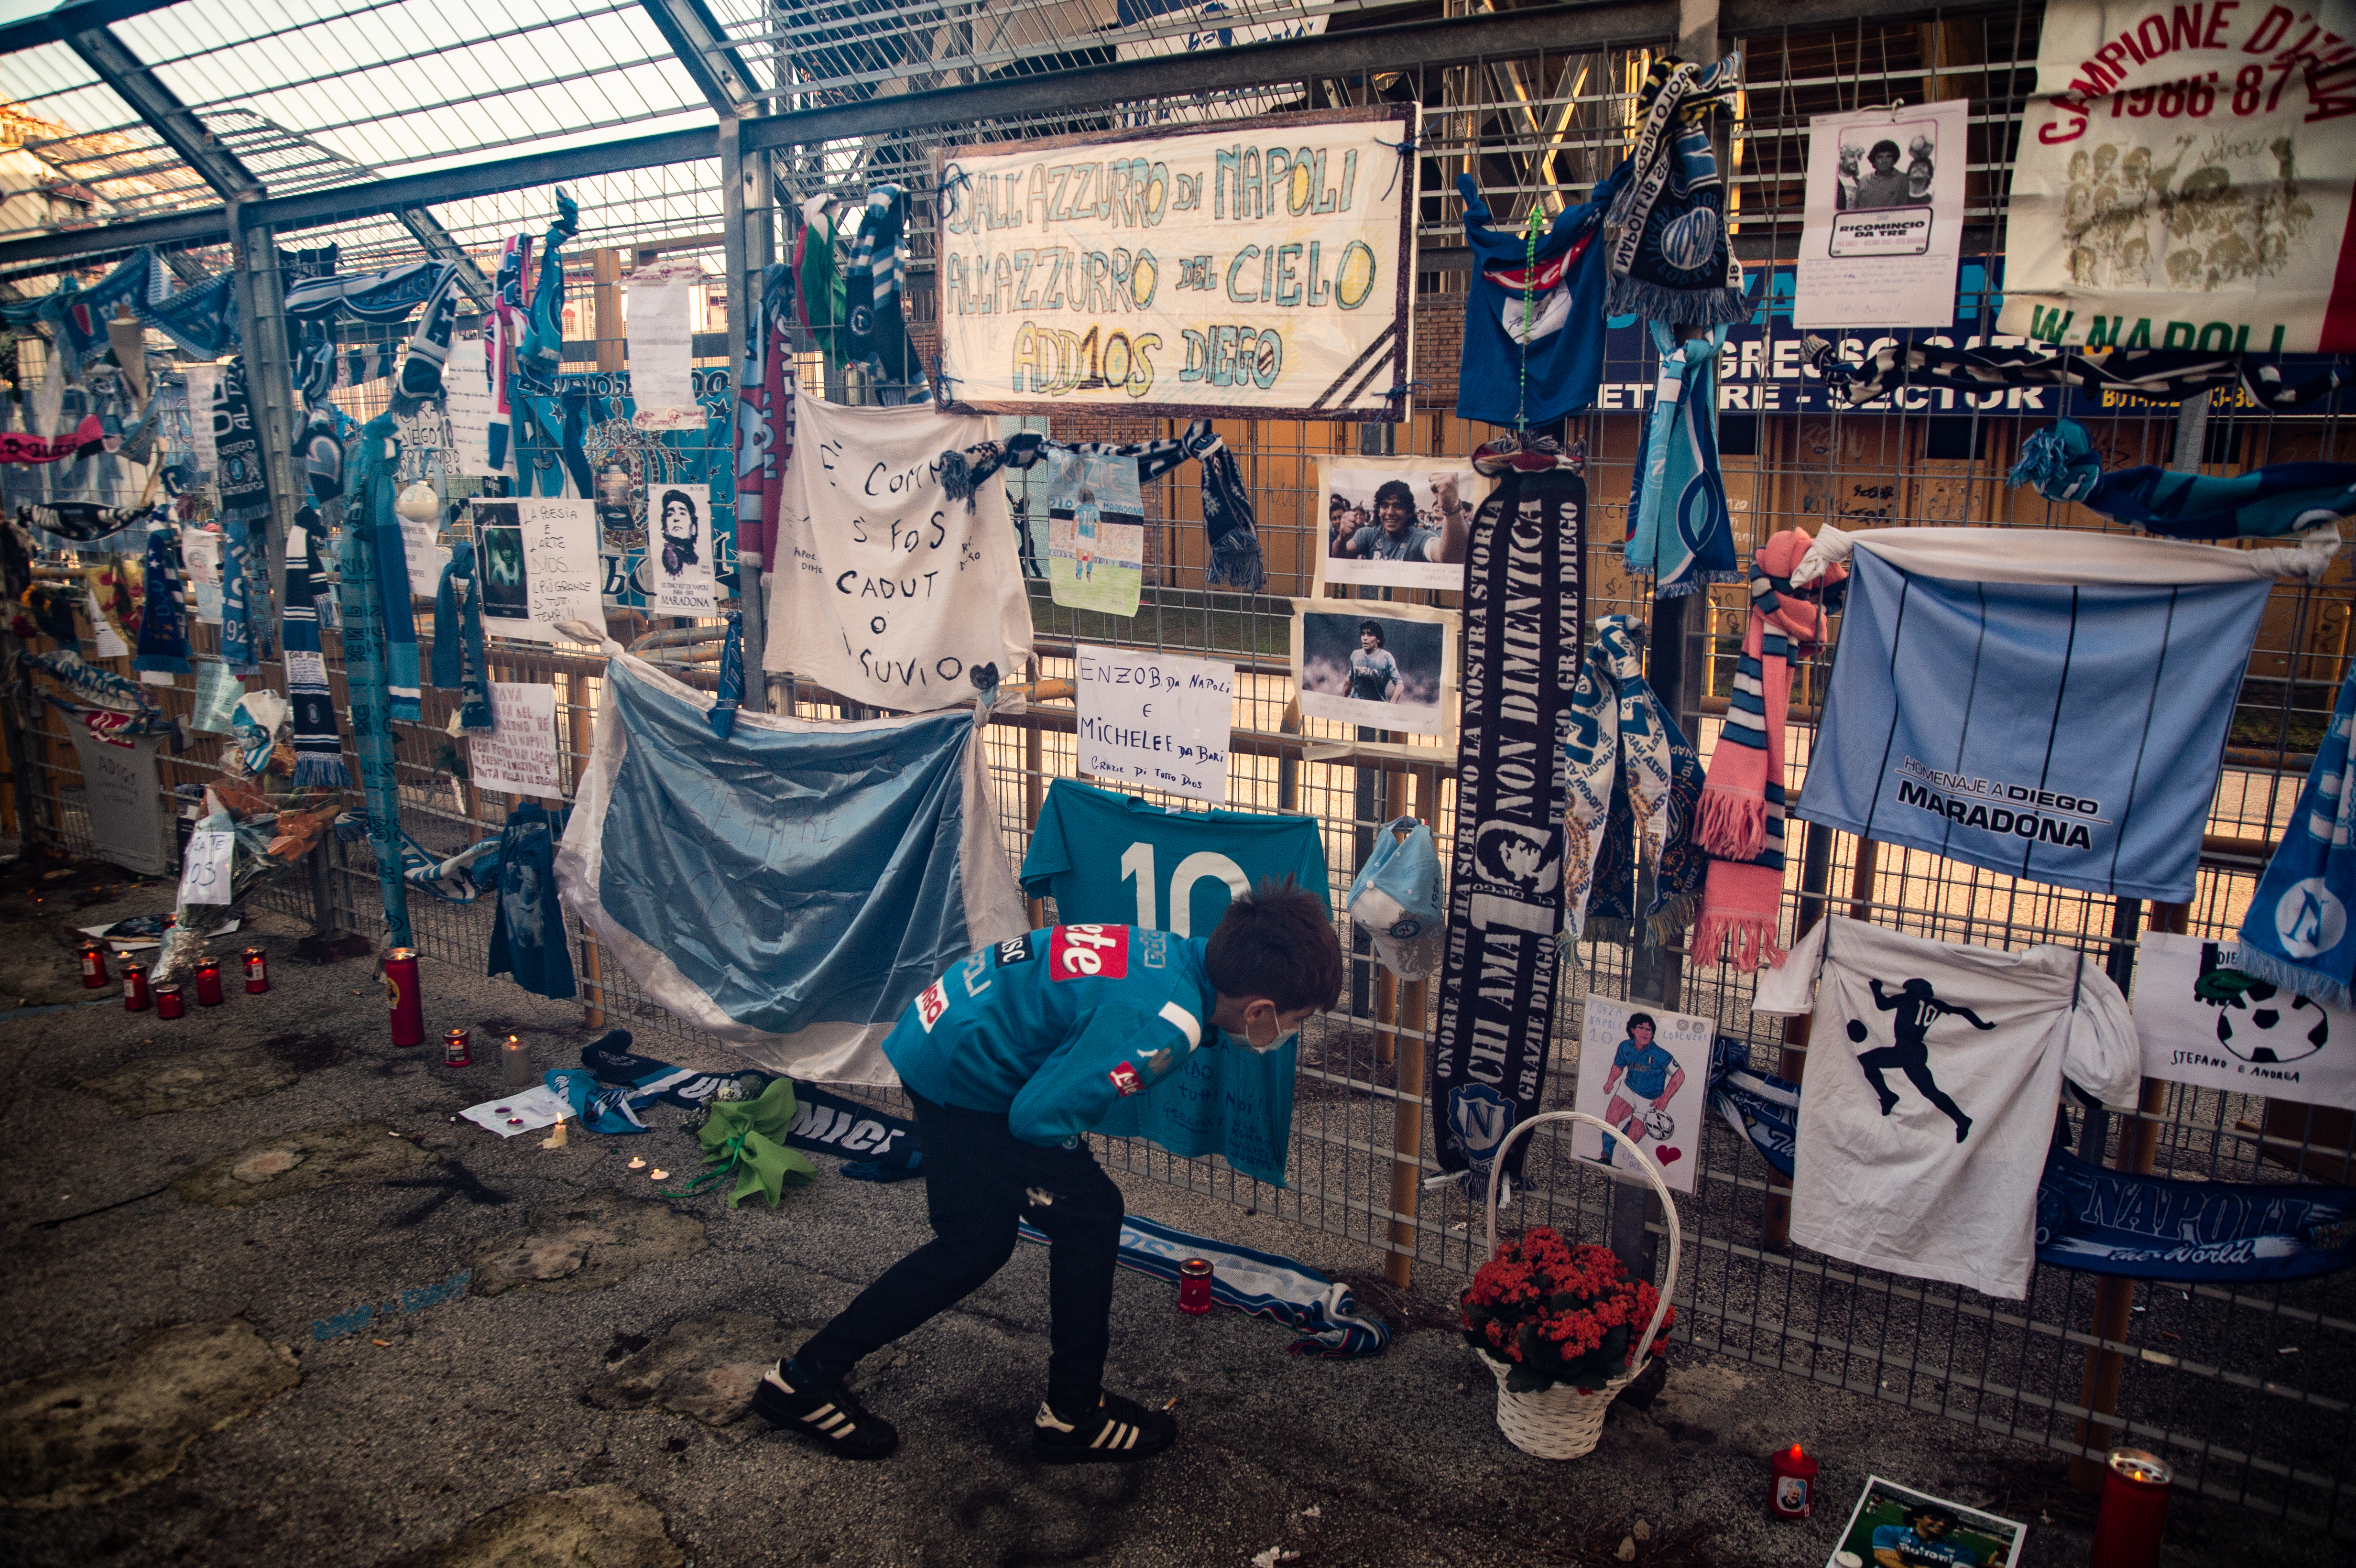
pixel 1399 522
pixel 679 548
pixel 1390 666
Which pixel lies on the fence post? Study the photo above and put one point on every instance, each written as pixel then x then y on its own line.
pixel 1408 1053
pixel 748 232
pixel 2138 1145
pixel 365 679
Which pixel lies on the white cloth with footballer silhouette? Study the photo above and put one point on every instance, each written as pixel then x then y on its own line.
pixel 1935 1073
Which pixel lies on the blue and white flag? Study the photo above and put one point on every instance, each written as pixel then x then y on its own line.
pixel 1321 1310
pixel 790 888
pixel 2045 704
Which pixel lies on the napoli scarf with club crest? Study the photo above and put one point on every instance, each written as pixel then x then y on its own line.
pixel 1523 653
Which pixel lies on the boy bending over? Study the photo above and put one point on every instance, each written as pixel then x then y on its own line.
pixel 1008 1059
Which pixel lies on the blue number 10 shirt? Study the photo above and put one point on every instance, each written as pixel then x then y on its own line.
pixel 1106 857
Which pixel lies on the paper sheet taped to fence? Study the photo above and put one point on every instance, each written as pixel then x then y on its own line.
pixel 2183 179
pixel 792 887
pixel 1262 268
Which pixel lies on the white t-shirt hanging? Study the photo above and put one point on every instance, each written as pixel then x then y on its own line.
pixel 1934 1073
pixel 895 595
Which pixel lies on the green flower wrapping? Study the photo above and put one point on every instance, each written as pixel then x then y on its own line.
pixel 746 1138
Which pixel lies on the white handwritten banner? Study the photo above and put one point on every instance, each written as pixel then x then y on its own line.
pixel 661 322
pixel 467 393
pixel 2183 179
pixel 1153 718
pixel 540 566
pixel 519 752
pixel 2203 1022
pixel 1262 268
pixel 895 595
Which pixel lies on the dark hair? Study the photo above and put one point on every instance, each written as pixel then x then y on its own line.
pixel 682 497
pixel 1876 153
pixel 1938 1511
pixel 1395 490
pixel 1336 502
pixel 1276 942
pixel 1365 626
pixel 1645 1019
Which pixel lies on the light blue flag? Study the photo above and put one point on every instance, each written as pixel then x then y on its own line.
pixel 2045 704
pixel 792 887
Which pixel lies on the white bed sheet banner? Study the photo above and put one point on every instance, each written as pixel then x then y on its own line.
pixel 1260 267
pixel 887 592
pixel 2184 179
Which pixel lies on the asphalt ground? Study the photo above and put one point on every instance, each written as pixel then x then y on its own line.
pixel 273 1368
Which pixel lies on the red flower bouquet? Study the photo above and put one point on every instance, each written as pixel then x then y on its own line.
pixel 1557 1314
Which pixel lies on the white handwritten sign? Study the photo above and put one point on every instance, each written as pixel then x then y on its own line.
pixel 2224 1034
pixel 204 381
pixel 895 594
pixel 1152 719
pixel 1256 269
pixel 520 752
pixel 560 571
pixel 466 394
pixel 205 867
pixel 660 319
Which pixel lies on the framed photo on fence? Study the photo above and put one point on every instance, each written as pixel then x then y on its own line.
pixel 1388 666
pixel 1401 522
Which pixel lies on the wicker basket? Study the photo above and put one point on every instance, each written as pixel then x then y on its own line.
pixel 1563 1421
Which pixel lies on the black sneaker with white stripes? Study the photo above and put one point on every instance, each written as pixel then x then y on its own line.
pixel 835 1419
pixel 1117 1431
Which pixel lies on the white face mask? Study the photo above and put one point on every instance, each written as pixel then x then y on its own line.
pixel 1246 1041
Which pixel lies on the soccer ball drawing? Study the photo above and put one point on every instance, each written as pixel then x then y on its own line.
pixel 2261 1023
pixel 1661 1124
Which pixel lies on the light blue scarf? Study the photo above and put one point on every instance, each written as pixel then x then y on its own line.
pixel 1679 531
pixel 379 465
pixel 2299 932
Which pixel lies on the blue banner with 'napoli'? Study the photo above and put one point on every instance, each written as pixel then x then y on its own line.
pixel 2151 1227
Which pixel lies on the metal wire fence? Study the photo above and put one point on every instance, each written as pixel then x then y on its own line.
pixel 2246 1390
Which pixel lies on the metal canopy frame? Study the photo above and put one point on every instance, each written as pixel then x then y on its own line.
pixel 1380 44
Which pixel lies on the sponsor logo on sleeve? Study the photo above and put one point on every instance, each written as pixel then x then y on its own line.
pixel 931 1003
pixel 1125 1080
pixel 1016 950
pixel 1088 953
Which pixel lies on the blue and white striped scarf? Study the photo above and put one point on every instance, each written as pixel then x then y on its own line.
pixel 1262 1283
pixel 163 623
pixel 458 639
pixel 377 468
pixel 318 745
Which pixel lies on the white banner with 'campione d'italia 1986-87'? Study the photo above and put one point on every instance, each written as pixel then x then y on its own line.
pixel 2184 178
pixel 1263 268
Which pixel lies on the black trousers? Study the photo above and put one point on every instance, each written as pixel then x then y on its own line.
pixel 981 1180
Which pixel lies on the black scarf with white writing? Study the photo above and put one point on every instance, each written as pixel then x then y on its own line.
pixel 1524 644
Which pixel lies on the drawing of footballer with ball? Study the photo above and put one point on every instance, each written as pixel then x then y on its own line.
pixel 1651 1075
